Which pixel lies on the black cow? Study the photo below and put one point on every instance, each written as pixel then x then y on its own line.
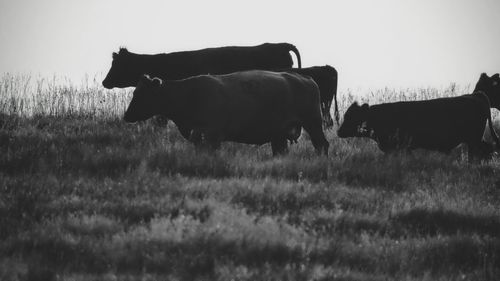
pixel 326 77
pixel 253 107
pixel 127 67
pixel 438 124
pixel 490 85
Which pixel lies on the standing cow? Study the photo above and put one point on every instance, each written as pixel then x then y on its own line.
pixel 326 77
pixel 438 124
pixel 127 67
pixel 253 107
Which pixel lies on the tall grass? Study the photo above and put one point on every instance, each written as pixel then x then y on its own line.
pixel 85 196
pixel 28 95
pixel 25 95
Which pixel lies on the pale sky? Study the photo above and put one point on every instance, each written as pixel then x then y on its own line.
pixel 393 43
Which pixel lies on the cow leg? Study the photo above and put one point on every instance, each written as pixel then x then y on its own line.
pixel 318 139
pixel 327 117
pixel 212 140
pixel 204 141
pixel 214 144
pixel 486 150
pixel 292 131
pixel 194 136
pixel 185 131
pixel 480 151
pixel 279 146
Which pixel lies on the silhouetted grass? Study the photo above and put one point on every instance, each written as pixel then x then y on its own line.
pixel 85 196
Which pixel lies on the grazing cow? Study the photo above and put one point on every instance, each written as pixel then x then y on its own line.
pixel 438 124
pixel 326 77
pixel 253 107
pixel 127 67
pixel 490 86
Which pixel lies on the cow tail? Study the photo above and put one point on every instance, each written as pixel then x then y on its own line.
pixel 337 115
pixel 296 52
pixel 492 131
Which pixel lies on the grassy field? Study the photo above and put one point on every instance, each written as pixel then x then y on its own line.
pixel 85 196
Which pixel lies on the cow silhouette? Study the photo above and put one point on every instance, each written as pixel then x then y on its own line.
pixel 253 107
pixel 438 124
pixel 127 67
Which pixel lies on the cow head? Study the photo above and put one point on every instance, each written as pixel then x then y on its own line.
pixel 144 104
pixel 354 124
pixel 124 72
pixel 491 87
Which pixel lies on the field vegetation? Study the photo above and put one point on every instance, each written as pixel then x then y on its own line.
pixel 86 196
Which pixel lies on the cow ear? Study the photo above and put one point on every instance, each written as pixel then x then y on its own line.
pixel 145 78
pixel 157 82
pixel 364 110
pixel 114 55
pixel 484 76
pixel 123 51
pixel 495 80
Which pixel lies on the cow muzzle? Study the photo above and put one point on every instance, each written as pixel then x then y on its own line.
pixel 106 84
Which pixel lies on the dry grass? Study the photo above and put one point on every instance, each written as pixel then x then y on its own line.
pixel 85 196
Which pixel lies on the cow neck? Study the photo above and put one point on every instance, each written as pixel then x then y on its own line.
pixel 146 64
pixel 175 98
pixel 154 65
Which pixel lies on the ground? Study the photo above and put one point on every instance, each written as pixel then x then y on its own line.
pixel 90 197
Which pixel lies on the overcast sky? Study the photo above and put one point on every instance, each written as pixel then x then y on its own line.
pixel 394 43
